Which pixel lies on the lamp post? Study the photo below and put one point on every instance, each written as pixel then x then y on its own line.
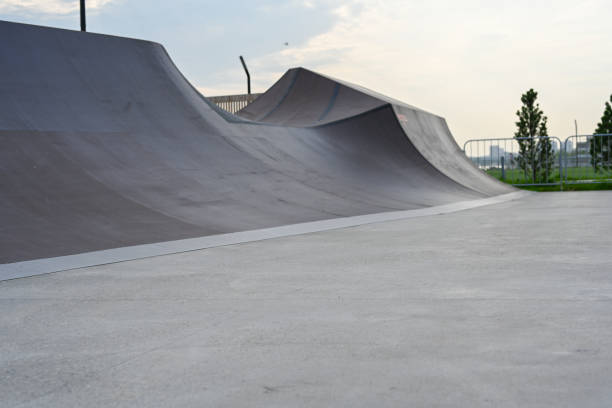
pixel 83 26
pixel 247 74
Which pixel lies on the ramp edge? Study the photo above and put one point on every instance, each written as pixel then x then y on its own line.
pixel 44 266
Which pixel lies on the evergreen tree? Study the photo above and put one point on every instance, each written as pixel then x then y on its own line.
pixel 546 156
pixel 535 150
pixel 601 155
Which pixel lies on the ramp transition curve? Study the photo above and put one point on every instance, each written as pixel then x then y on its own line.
pixel 105 144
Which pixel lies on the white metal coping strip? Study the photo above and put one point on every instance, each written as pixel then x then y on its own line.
pixel 62 263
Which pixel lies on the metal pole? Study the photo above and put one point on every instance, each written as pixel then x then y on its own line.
pixel 566 163
pixel 576 126
pixel 576 129
pixel 562 155
pixel 503 168
pixel 245 70
pixel 83 27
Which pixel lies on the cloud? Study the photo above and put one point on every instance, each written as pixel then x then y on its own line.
pixel 467 61
pixel 56 7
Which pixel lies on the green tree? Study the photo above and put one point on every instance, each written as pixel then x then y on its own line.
pixel 600 145
pixel 535 149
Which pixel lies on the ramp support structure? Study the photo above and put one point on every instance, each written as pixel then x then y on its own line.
pixel 245 70
pixel 83 26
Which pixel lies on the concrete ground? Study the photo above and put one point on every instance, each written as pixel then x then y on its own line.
pixel 505 305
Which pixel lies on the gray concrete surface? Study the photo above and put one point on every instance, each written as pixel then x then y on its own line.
pixel 505 305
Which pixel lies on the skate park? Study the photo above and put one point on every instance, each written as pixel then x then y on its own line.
pixel 326 245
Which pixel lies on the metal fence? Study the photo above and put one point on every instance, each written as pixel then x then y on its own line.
pixel 233 103
pixel 545 160
pixel 588 159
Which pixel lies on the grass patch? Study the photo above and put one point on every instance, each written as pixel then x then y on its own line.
pixel 570 187
pixel 577 179
pixel 579 175
pixel 518 176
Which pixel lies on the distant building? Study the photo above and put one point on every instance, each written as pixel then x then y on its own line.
pixel 583 147
pixel 582 156
pixel 496 152
pixel 554 146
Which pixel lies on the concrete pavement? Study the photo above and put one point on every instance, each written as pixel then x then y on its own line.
pixel 504 305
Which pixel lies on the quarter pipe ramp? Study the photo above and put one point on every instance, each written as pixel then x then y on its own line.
pixel 105 144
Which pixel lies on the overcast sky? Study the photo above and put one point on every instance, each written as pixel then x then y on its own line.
pixel 467 61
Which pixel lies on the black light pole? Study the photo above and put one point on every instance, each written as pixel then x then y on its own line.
pixel 83 28
pixel 247 74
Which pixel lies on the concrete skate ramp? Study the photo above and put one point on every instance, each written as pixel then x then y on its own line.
pixel 105 144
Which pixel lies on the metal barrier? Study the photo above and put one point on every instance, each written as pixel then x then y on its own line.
pixel 233 103
pixel 544 160
pixel 519 161
pixel 588 159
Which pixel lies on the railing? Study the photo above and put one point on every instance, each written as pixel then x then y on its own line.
pixel 588 159
pixel 523 161
pixel 233 103
pixel 545 160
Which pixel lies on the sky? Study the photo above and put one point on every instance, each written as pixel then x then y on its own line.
pixel 467 61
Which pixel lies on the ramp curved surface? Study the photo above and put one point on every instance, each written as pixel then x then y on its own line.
pixel 105 144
